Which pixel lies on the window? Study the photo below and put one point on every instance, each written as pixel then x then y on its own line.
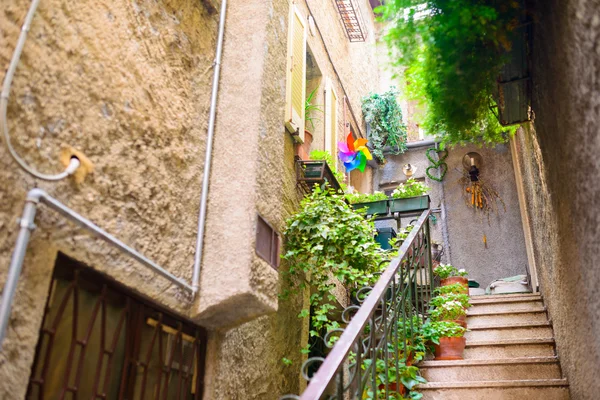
pixel 331 122
pixel 98 341
pixel 267 242
pixel 296 74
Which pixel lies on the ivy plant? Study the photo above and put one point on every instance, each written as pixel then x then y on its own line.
pixel 382 112
pixel 326 239
pixel 452 52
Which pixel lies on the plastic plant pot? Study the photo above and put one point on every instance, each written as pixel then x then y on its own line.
pixel 419 203
pixel 374 207
pixel 383 237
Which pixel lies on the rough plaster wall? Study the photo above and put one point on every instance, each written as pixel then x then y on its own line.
pixel 126 83
pixel 561 155
pixel 245 362
pixel 249 286
pixel 255 349
pixel 505 254
pixel 355 62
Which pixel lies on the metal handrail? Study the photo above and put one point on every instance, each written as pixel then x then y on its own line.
pixel 374 326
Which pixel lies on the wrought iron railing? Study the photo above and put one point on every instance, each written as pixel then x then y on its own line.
pixel 366 360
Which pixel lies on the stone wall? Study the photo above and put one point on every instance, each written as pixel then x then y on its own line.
pixel 559 158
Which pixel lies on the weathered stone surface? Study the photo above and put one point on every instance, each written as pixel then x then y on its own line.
pixel 559 155
pixel 126 84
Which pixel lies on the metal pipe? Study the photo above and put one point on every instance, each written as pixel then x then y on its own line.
pixel 421 143
pixel 16 262
pixel 26 223
pixel 4 102
pixel 208 156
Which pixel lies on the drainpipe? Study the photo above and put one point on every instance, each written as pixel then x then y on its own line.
pixel 208 156
pixel 26 223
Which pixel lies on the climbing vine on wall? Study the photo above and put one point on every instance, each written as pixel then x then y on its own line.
pixel 327 239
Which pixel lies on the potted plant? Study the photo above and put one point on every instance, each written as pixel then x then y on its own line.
pixel 410 196
pixel 450 307
pixel 447 338
pixel 385 129
pixel 319 170
pixel 455 288
pixel 375 203
pixel 449 275
pixel 407 375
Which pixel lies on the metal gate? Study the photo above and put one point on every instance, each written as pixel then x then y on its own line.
pixel 99 342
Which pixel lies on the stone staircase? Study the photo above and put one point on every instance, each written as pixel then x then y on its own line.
pixel 510 355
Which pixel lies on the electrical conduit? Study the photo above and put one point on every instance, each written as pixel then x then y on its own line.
pixel 208 156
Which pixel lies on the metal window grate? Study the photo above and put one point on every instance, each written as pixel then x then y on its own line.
pixel 98 342
pixel 352 20
pixel 267 242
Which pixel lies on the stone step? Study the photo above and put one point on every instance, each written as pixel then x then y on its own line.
pixel 505 306
pixel 504 299
pixel 546 389
pixel 504 296
pixel 475 318
pixel 512 331
pixel 492 369
pixel 510 348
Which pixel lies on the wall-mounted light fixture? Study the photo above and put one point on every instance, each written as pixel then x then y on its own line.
pixel 472 163
pixel 409 170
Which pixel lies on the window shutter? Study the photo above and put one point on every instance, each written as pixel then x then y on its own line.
pixel 296 74
pixel 331 117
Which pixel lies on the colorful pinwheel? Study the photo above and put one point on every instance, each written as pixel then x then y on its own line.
pixel 354 153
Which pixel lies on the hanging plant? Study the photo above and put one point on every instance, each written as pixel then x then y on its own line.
pixel 453 52
pixel 382 112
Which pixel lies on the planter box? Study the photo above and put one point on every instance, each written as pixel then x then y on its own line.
pixel 374 207
pixel 411 204
pixel 309 172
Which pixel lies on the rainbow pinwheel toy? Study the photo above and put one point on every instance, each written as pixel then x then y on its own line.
pixel 354 153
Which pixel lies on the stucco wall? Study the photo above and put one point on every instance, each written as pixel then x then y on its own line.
pixel 560 162
pixel 124 82
pixel 246 362
pixel 460 228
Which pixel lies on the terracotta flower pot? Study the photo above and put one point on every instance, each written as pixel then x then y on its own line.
pixel 456 279
pixel 462 321
pixel 392 388
pixel 450 348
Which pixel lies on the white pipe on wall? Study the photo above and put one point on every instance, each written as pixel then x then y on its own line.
pixel 208 157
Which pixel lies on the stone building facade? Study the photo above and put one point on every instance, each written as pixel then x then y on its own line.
pixel 128 84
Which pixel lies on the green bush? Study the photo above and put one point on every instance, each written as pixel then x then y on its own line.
pixel 453 52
